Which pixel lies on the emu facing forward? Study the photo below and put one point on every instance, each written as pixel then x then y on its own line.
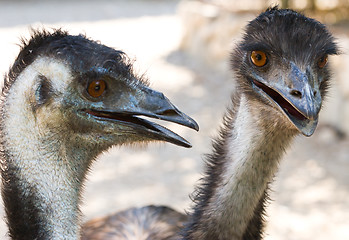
pixel 282 76
pixel 65 100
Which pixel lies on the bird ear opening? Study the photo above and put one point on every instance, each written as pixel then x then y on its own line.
pixel 43 91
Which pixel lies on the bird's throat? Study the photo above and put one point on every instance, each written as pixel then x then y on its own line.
pixel 245 161
pixel 41 197
pixel 42 173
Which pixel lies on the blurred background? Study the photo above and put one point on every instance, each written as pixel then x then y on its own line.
pixel 183 47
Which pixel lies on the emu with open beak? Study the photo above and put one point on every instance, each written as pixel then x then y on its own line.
pixel 297 96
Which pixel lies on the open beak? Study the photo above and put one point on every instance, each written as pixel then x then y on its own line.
pixel 301 102
pixel 148 103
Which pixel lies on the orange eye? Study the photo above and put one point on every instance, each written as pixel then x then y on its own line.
pixel 322 61
pixel 258 58
pixel 96 88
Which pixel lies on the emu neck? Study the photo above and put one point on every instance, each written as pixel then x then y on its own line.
pixel 43 166
pixel 244 161
pixel 42 181
pixel 41 192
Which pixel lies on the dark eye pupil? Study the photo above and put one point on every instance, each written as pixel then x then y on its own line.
pixel 96 88
pixel 258 57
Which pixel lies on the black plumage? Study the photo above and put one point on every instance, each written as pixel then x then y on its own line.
pixel 81 53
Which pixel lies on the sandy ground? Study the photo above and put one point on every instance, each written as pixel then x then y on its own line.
pixel 311 191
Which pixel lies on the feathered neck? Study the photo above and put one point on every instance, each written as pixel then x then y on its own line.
pixel 41 193
pixel 43 167
pixel 230 199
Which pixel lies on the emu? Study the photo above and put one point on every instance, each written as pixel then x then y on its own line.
pixel 65 100
pixel 282 76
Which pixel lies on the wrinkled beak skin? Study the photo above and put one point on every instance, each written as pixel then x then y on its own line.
pixel 127 103
pixel 298 96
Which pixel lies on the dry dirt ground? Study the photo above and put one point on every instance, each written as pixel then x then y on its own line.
pixel 311 191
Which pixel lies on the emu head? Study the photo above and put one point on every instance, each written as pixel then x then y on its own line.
pixel 72 89
pixel 282 63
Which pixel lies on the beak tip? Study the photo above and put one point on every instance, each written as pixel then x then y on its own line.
pixel 188 146
pixel 182 142
pixel 306 134
pixel 195 126
pixel 308 128
pixel 187 121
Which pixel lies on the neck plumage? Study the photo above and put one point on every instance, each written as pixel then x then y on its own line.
pixel 230 201
pixel 41 192
pixel 42 168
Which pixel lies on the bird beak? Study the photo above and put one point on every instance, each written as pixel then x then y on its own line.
pixel 143 101
pixel 157 105
pixel 297 98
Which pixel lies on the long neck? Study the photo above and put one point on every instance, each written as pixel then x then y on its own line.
pixel 42 167
pixel 41 191
pixel 243 162
pixel 41 196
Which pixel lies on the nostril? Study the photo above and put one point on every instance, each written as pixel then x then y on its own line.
pixel 169 112
pixel 315 93
pixel 296 93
